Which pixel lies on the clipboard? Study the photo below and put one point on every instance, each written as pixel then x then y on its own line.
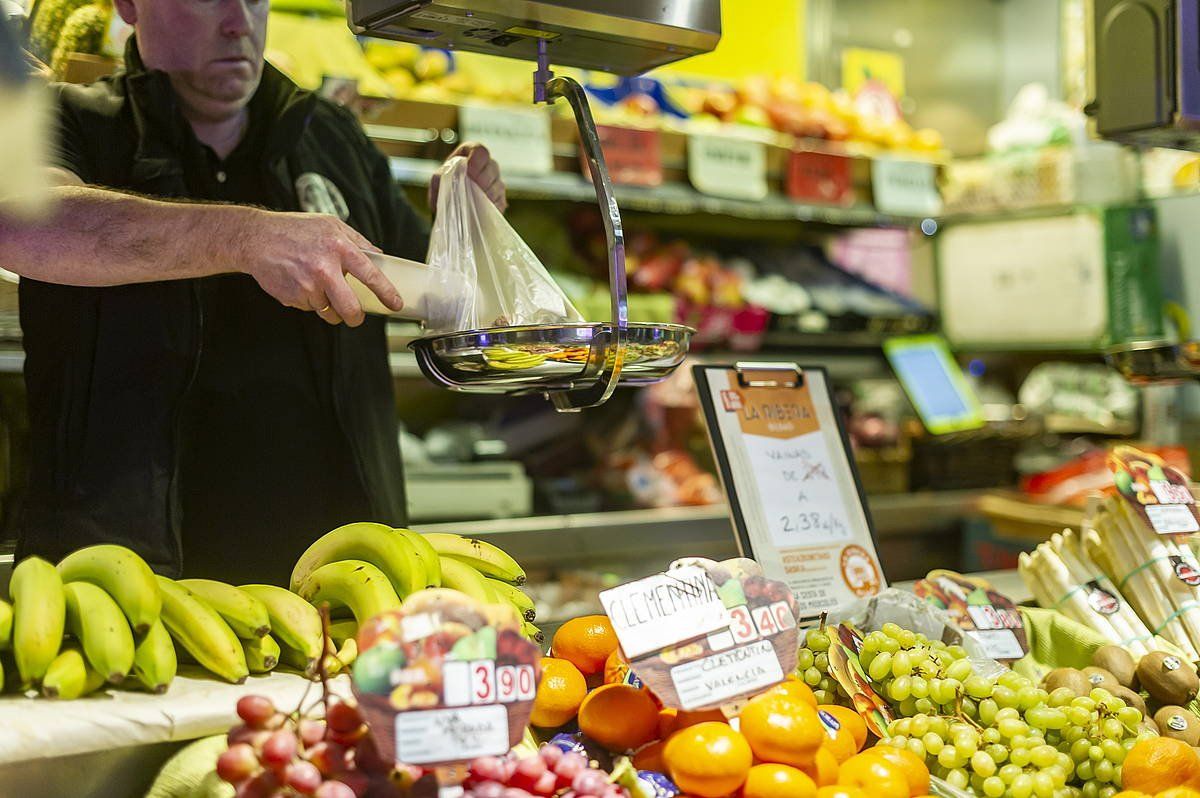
pixel 795 499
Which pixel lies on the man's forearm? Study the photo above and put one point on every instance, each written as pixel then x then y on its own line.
pixel 97 237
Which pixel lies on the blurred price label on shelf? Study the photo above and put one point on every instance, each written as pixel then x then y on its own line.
pixel 907 188
pixel 633 155
pixel 728 166
pixel 518 138
pixel 1155 491
pixel 820 177
pixel 984 614
pixel 702 636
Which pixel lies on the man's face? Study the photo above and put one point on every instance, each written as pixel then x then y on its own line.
pixel 212 49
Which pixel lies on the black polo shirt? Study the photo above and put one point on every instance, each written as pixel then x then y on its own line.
pixel 251 433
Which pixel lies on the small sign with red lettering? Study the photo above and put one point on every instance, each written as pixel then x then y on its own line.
pixel 988 617
pixel 820 177
pixel 633 155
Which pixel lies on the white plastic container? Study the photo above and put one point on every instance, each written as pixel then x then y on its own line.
pixel 412 279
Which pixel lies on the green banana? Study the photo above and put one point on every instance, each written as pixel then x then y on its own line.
pixel 341 631
pixel 154 659
pixel 355 584
pixel 262 654
pixel 457 575
pixel 6 619
pixel 69 676
pixel 377 544
pixel 246 615
pixel 39 615
pixel 428 557
pixel 298 661
pixel 101 629
pixel 515 596
pixel 294 622
pixel 202 632
pixel 533 633
pixel 123 575
pixel 484 557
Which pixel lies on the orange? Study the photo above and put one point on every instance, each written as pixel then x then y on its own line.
pixel 1131 794
pixel 708 760
pixel 874 775
pixel 616 667
pixel 619 717
pixel 795 688
pixel 668 721
pixel 778 781
pixel 782 730
pixel 840 744
pixel 559 693
pixel 824 769
pixel 650 757
pixel 1174 792
pixel 1159 763
pixel 914 768
pixel 686 718
pixel 839 791
pixel 849 719
pixel 587 642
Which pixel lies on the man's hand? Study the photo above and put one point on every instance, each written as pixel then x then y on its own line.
pixel 481 169
pixel 301 259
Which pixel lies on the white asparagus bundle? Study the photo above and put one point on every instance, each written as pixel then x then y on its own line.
pixel 1113 547
pixel 1157 549
pixel 1130 629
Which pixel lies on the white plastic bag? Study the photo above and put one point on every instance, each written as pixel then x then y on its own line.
pixel 483 272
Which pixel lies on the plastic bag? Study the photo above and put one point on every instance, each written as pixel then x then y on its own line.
pixel 482 271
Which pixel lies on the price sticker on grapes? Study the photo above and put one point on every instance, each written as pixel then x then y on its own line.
pixel 793 492
pixel 443 679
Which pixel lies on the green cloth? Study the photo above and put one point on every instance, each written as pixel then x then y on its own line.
pixel 191 772
pixel 1055 641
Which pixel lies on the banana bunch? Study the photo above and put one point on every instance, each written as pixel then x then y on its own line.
pixel 362 569
pixel 509 359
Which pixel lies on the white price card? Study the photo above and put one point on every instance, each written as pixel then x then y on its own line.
pixel 518 138
pixel 449 735
pixel 728 166
pixel 793 492
pixel 664 609
pixel 905 187
pixel 726 674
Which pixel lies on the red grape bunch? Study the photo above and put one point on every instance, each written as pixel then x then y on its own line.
pixel 275 755
pixel 551 771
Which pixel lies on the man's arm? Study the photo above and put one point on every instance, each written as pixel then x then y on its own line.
pixel 97 237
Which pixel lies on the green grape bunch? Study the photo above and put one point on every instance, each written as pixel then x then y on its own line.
pixel 1001 737
pixel 812 667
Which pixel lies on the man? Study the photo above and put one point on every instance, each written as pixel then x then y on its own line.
pixel 200 421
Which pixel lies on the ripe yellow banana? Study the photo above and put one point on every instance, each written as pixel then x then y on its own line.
pixel 202 632
pixel 533 633
pixel 262 654
pixel 354 584
pixel 39 615
pixel 515 596
pixel 343 658
pixel 457 575
pixel 123 575
pixel 484 557
pixel 154 660
pixel 101 629
pixel 380 545
pixel 246 615
pixel 6 618
pixel 429 557
pixel 69 676
pixel 294 622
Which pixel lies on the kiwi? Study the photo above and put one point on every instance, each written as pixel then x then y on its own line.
pixel 1119 663
pixel 1067 677
pixel 1131 699
pixel 1168 679
pixel 1099 677
pixel 1148 725
pixel 1178 723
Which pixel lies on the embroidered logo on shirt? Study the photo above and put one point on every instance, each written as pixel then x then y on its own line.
pixel 319 194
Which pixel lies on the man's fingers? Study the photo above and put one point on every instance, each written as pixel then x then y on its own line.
pixel 343 301
pixel 329 316
pixel 478 158
pixel 357 240
pixel 496 194
pixel 368 273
